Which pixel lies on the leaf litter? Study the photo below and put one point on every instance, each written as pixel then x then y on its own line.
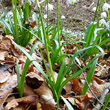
pixel 37 94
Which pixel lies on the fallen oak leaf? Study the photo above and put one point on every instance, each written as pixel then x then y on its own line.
pixel 3 54
pixel 46 106
pixel 12 104
pixel 82 101
pixel 101 87
pixel 45 94
pixel 15 102
pixel 28 90
pixel 38 106
pixel 99 81
pixel 34 80
pixel 6 44
pixel 4 76
pixel 49 99
pixel 76 88
pixel 7 87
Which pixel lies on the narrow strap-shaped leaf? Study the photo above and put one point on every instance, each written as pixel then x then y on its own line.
pixel 89 76
pixel 77 73
pixel 18 74
pixel 67 104
pixel 60 76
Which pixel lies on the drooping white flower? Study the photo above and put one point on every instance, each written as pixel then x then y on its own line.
pixel 68 2
pixel 50 7
pixel 102 22
pixel 103 15
pixel 45 16
pixel 94 9
pixel 62 17
pixel 10 13
pixel 105 7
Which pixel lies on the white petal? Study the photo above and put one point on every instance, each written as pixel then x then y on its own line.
pixel 62 17
pixel 94 9
pixel 103 15
pixel 105 7
pixel 50 7
pixel 45 16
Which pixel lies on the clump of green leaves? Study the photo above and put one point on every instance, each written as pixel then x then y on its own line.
pixel 17 25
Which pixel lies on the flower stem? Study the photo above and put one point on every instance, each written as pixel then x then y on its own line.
pixel 46 44
pixel 47 21
pixel 58 23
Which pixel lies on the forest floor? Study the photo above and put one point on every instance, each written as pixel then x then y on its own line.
pixel 77 16
pixel 37 94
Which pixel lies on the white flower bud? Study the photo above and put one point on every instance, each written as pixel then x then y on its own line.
pixel 103 15
pixel 102 22
pixel 62 17
pixel 68 2
pixel 94 9
pixel 105 7
pixel 50 7
pixel 45 16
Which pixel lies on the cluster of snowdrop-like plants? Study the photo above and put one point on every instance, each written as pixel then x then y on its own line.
pixel 54 46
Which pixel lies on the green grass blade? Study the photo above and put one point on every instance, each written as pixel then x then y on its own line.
pixel 67 104
pixel 104 42
pixel 60 76
pixel 107 100
pixel 89 76
pixel 22 81
pixel 34 62
pixel 89 34
pixel 18 74
pixel 77 73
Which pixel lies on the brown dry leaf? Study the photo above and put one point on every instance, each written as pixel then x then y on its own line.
pixel 67 60
pixel 12 104
pixel 76 88
pixel 10 60
pixel 22 58
pixel 45 106
pixel 99 81
pixel 15 102
pixel 83 100
pixel 68 87
pixel 46 94
pixel 38 106
pixel 35 57
pixel 6 44
pixel 3 54
pixel 101 87
pixel 28 90
pixel 27 99
pixel 4 76
pixel 7 87
pixel 34 79
pixel 95 90
pixel 31 68
pixel 43 90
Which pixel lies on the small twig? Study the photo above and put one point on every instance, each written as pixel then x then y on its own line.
pixel 102 98
pixel 89 87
